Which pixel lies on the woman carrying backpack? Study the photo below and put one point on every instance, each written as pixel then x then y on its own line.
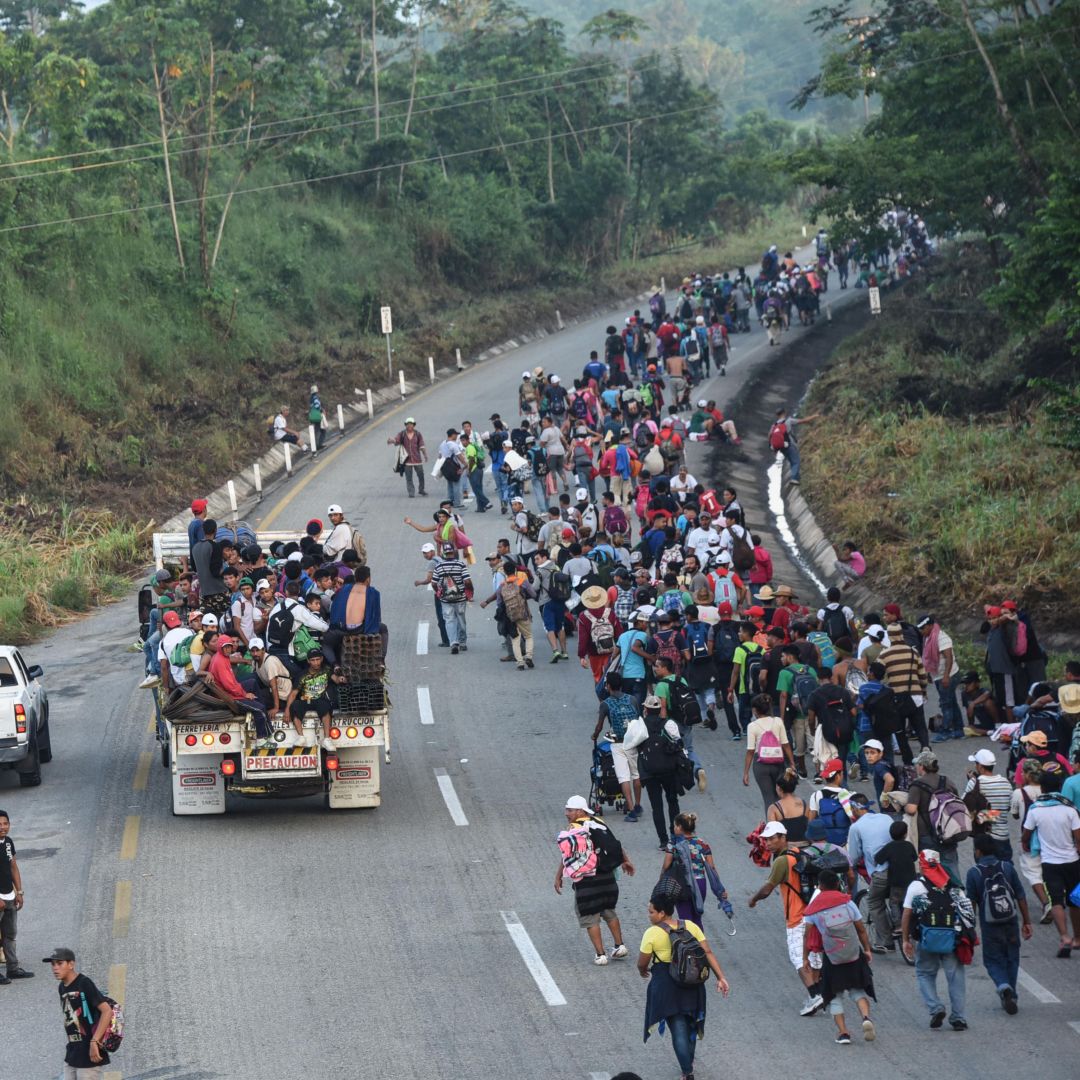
pixel 669 1002
pixel 690 861
pixel 768 751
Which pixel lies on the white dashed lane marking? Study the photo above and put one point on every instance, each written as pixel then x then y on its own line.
pixel 421 638
pixel 533 961
pixel 1037 990
pixel 423 700
pixel 453 803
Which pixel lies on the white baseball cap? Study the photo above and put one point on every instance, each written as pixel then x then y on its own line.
pixel 983 757
pixel 526 374
pixel 256 643
pixel 295 557
pixel 428 547
pixel 874 744
pixel 209 619
pixel 702 403
pixel 774 828
pixel 555 379
pixel 578 802
pixel 333 508
pixel 724 558
pixel 581 493
pixel 261 584
pixel 410 420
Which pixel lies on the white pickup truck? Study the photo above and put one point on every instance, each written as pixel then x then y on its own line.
pixel 211 749
pixel 24 718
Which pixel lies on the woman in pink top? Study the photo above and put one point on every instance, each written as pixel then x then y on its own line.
pixel 850 565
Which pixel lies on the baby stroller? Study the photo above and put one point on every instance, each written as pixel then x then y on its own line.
pixel 604 789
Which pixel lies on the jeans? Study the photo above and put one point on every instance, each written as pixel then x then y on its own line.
pixel 416 471
pixel 585 480
pixel 454 614
pixel 927 966
pixel 792 455
pixel 476 482
pixel 683 1039
pixel 455 489
pixel 539 492
pixel 150 649
pixel 745 711
pixel 502 485
pixel 952 721
pixel 660 788
pixel 687 735
pixel 1001 953
pixel 441 623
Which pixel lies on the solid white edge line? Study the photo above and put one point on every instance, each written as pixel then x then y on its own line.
pixel 599 1076
pixel 421 638
pixel 537 968
pixel 1036 989
pixel 453 803
pixel 423 700
pixel 1075 1025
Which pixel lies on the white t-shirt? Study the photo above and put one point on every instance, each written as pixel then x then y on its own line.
pixel 243 613
pixel 524 544
pixel 681 487
pixel 169 642
pixel 279 427
pixel 848 613
pixel 338 541
pixel 698 542
pixel 1055 822
pixel 727 537
pixel 944 642
pixel 832 792
pixel 759 725
pixel 551 440
pixel 916 888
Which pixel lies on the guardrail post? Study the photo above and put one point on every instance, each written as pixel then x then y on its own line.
pixel 341 419
pixel 370 406
pixel 401 383
pixel 431 368
pixel 288 459
pixel 256 472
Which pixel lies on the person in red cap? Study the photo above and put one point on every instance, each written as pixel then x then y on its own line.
pixel 195 526
pixel 1001 650
pixel 930 920
pixel 911 633
pixel 221 673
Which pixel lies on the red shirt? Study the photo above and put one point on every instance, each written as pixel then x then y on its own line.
pixel 584 630
pixel 222 673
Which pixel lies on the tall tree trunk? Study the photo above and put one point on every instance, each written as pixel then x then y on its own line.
pixel 203 179
pixel 550 153
pixel 159 93
pixel 412 89
pixel 375 83
pixel 1034 173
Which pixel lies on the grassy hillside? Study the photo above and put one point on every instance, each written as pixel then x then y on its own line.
pixel 953 472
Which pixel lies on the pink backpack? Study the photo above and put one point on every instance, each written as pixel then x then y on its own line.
pixel 769 749
pixel 578 853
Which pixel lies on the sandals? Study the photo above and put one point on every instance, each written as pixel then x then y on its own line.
pixel 1064 952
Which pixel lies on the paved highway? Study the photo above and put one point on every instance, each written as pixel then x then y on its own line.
pixel 422 939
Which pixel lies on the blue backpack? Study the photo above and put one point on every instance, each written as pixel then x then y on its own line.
pixel 835 819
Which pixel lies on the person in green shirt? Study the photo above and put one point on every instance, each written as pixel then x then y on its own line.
pixel 474 460
pixel 787 693
pixel 665 680
pixel 738 687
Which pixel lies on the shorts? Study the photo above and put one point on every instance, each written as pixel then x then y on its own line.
pixel 625 763
pixel 585 921
pixel 554 615
pixel 1031 867
pixel 1060 879
pixel 795 935
pixel 836 1005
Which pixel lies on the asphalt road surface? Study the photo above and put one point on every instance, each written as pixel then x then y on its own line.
pixel 423 939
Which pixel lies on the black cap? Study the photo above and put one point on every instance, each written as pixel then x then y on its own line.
pixel 970 676
pixel 59 954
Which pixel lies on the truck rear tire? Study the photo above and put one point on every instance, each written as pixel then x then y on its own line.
pixel 165 754
pixel 32 777
pixel 45 742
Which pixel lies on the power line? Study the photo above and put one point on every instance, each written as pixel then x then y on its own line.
pixel 500 147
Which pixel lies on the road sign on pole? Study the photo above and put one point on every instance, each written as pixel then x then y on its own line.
pixel 387 329
pixel 875 300
pixel 387 322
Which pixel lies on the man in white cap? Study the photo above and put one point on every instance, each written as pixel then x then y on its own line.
pixel 595 895
pixel 997 791
pixel 524 545
pixel 340 536
pixel 785 876
pixel 431 557
pixel 412 455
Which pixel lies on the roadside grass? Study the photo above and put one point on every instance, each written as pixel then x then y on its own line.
pixel 59 565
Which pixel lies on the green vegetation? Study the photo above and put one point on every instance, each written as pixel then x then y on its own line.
pixel 940 456
pixel 235 188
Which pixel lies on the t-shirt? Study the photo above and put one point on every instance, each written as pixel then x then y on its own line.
pixel 944 642
pixel 759 725
pixel 742 653
pixel 900 856
pixel 919 794
pixel 1055 822
pixel 279 427
pixel 633 665
pixel 165 650
pixel 998 792
pixel 448 577
pixel 1071 790
pixel 272 668
pixel 314 684
pixel 784 877
pixel 785 682
pixel 849 615
pixel 914 891
pixel 550 439
pixel 656 941
pixel 7 857
pixel 243 613
pixel 524 544
pixel 77 999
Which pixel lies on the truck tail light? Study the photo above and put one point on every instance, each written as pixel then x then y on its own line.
pixel 20 720
pixel 369 732
pixel 225 738
pixel 351 732
pixel 332 763
pixel 335 733
pixel 208 739
pixel 190 740
pixel 228 768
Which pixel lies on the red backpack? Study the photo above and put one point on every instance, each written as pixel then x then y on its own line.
pixel 778 438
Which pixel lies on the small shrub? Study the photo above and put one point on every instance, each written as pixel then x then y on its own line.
pixel 71 593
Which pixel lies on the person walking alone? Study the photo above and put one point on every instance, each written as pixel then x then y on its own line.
pixel 87 1015
pixel 11 902
pixel 411 457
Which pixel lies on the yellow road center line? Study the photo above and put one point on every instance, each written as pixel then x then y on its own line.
pixel 151 728
pixel 142 771
pixel 117 988
pixel 122 909
pixel 130 842
pixel 113 1075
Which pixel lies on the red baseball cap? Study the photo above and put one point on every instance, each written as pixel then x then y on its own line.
pixel 724 607
pixel 757 611
pixel 198 506
pixel 993 612
pixel 1008 605
pixel 832 767
pixel 171 619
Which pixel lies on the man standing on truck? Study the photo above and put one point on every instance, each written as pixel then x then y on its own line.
pixel 209 565
pixel 11 902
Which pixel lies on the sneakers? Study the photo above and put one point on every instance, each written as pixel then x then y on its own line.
pixel 554 658
pixel 136 646
pixel 843 1039
pixel 937 1019
pixel 22 973
pixel 455 649
pixel 521 667
pixel 328 744
pixel 869 1032
pixel 710 718
pixel 463 647
pixel 958 1025
pixel 942 736
pixel 564 656
pixel 701 780
pixel 620 952
pixel 150 682
pixel 880 949
pixel 601 960
pixel 633 815
pixel 529 662
pixel 1008 1000
pixel 812 1004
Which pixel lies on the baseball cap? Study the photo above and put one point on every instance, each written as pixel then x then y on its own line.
pixel 969 677
pixel 875 631
pixel 163 575
pixel 225 640
pixel 256 643
pixel 516 498
pixel 333 508
pixel 983 757
pixel 651 702
pixel 491 555
pixel 526 374
pixel 1008 605
pixel 874 744
pixel 926 757
pixel 410 419
pixel 171 619
pixel 295 556
pixel 774 828
pixel 832 767
pixel 702 403
pixel 428 547
pixel 198 506
pixel 209 619
pixel 580 494
pixel 724 608
pixel 261 584
pixel 724 558
pixel 57 955
pixel 757 611
pixel 448 548
pixel 578 802
pixel 993 612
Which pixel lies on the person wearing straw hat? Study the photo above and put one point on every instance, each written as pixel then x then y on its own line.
pixel 598 631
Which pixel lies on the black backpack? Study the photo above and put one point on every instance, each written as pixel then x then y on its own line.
pixel 689 966
pixel 659 754
pixel 685 710
pixel 725 641
pixel 561 586
pixel 281 625
pixel 837 723
pixel 609 852
pixel 884 710
pixel 835 623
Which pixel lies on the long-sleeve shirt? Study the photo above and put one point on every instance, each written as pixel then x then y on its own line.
pixel 222 673
pixel 584 630
pixel 866 838
pixel 904 670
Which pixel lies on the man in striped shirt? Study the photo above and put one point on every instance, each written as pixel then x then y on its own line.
pixel 998 793
pixel 906 676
